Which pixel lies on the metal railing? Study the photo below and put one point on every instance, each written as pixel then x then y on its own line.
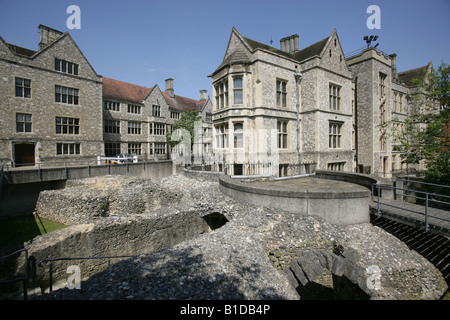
pixel 428 197
pixel 24 279
pixel 42 262
pixel 1 179
pixel 67 163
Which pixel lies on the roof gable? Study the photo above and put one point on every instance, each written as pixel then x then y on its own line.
pixel 238 51
pixel 5 49
pixel 237 54
pixel 65 40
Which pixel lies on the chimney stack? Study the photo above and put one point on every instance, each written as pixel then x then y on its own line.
pixel 289 44
pixel 169 87
pixel 394 65
pixel 203 95
pixel 47 35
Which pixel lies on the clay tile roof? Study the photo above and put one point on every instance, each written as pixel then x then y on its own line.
pixel 181 104
pixel 119 90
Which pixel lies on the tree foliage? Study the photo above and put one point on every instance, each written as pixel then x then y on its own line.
pixel 427 136
pixel 186 121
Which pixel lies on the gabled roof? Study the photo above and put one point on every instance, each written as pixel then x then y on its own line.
pixel 258 45
pixel 31 54
pixel 311 51
pixel 119 90
pixel 407 76
pixel 239 55
pixel 21 51
pixel 181 104
pixel 124 91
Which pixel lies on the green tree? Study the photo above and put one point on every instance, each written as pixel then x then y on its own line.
pixel 186 121
pixel 427 135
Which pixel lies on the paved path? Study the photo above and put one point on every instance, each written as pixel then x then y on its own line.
pixel 412 214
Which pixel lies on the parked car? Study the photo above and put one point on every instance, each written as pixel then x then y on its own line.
pixel 123 158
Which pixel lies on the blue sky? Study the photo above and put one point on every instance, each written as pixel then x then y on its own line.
pixel 146 42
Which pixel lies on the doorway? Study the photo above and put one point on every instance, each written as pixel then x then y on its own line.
pixel 24 154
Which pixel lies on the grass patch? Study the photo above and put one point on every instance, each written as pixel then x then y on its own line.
pixel 17 230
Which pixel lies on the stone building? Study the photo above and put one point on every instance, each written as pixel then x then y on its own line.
pixel 255 107
pixel 382 104
pixel 136 118
pixel 351 110
pixel 50 102
pixel 55 108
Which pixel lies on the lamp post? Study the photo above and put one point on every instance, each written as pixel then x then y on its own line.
pixel 298 79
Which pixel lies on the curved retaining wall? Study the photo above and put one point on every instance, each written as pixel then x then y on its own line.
pixel 346 206
pixel 365 180
pixel 203 175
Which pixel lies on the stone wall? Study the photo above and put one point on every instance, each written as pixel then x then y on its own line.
pixel 40 69
pixel 243 259
pixel 84 200
pixel 113 236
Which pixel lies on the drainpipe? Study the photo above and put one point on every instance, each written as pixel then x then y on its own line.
pixel 298 79
pixel 356 122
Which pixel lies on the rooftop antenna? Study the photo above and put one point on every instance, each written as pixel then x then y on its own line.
pixel 271 41
pixel 369 40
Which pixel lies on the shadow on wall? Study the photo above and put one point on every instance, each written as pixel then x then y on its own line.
pixel 21 199
pixel 173 273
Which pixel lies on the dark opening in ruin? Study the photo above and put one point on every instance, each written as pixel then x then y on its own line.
pixel 215 220
pixel 331 287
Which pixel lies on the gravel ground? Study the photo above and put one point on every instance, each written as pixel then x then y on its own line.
pixel 243 259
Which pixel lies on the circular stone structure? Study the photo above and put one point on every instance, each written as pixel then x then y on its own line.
pixel 337 202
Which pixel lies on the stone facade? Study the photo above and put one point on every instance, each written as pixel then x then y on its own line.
pixel 382 105
pixel 50 102
pixel 56 108
pixel 269 107
pixel 136 118
pixel 350 109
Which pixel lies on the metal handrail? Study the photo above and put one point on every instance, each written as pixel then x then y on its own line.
pixel 63 164
pixel 41 263
pixel 1 178
pixel 24 279
pixel 427 200
pixel 427 183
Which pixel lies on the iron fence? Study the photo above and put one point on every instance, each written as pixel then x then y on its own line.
pixel 427 197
